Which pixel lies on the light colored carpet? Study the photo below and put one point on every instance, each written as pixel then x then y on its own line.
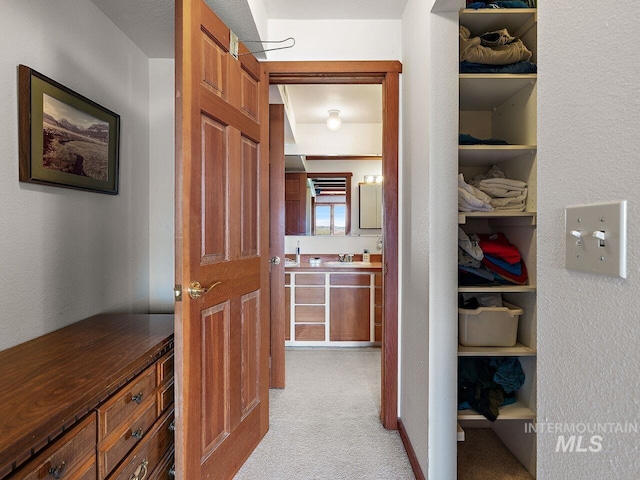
pixel 482 456
pixel 325 424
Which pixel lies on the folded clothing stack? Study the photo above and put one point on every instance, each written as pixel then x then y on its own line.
pixel 489 259
pixel 491 192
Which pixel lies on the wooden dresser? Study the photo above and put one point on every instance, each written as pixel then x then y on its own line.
pixel 91 401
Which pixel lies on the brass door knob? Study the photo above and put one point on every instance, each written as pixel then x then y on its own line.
pixel 196 290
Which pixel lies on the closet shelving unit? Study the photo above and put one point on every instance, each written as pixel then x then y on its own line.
pixel 504 106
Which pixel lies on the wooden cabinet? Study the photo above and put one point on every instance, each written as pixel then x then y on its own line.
pixel 295 203
pixel 331 308
pixel 105 395
pixel 73 456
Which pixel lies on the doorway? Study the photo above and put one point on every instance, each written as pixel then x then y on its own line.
pixel 387 75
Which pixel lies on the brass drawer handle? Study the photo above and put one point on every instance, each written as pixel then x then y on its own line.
pixel 58 472
pixel 172 426
pixel 137 434
pixel 137 398
pixel 141 471
pixel 172 470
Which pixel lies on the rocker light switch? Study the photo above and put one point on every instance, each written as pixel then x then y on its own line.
pixel 596 238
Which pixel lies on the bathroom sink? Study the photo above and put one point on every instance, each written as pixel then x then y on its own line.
pixel 347 264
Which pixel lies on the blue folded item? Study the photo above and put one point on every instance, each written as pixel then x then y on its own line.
pixel 466 139
pixel 513 268
pixel 512 69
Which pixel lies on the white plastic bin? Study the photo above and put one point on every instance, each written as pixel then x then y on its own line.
pixel 489 326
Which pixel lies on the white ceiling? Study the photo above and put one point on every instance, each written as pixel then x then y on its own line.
pixel 357 103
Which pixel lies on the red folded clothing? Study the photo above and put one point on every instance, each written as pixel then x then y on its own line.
pixel 497 245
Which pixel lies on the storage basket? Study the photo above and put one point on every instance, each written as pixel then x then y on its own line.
pixel 489 326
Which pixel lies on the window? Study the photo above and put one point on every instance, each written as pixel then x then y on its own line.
pixel 331 203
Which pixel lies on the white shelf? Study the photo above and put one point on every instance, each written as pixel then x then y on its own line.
pixel 519 350
pixel 480 91
pixel 516 20
pixel 460 434
pixel 499 289
pixel 515 411
pixel 526 218
pixel 486 155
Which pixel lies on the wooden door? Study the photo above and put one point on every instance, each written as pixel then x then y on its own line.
pixel 222 337
pixel 276 243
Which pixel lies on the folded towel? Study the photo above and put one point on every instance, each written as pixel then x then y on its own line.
pixel 466 260
pixel 497 245
pixel 480 195
pixel 469 203
pixel 497 192
pixel 509 201
pixel 505 183
pixel 521 207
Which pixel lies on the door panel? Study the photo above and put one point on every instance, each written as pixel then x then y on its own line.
pixel 222 334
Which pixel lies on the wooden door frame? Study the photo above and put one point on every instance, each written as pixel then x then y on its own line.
pixel 387 74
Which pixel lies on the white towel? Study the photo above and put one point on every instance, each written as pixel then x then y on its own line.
pixel 483 197
pixel 505 183
pixel 469 203
pixel 497 192
pixel 519 207
pixel 507 201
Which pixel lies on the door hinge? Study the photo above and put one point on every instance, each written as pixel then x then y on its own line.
pixel 177 293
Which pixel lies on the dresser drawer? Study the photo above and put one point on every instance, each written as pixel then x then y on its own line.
pixel 166 469
pixel 126 402
pixel 72 454
pixel 114 448
pixel 165 369
pixel 165 397
pixel 149 453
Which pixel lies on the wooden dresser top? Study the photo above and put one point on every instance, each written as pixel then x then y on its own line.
pixel 49 383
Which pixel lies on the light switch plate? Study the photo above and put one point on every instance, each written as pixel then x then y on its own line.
pixel 586 249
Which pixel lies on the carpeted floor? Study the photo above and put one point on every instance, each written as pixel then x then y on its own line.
pixel 325 424
pixel 482 456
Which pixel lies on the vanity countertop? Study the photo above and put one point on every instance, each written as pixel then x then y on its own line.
pixel 333 266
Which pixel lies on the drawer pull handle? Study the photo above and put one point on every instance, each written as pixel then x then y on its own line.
pixel 137 434
pixel 172 426
pixel 137 398
pixel 172 470
pixel 141 471
pixel 58 472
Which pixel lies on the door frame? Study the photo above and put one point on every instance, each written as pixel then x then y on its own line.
pixel 387 74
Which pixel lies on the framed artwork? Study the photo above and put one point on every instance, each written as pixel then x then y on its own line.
pixel 66 139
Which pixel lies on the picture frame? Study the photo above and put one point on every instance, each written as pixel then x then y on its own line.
pixel 65 139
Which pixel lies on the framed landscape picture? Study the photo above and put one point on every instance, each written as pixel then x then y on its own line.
pixel 66 139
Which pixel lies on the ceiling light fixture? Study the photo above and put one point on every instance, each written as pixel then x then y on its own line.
pixel 334 122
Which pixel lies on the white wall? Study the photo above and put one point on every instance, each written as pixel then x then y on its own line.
pixel 69 254
pixel 429 336
pixel 337 39
pixel 588 144
pixel 161 184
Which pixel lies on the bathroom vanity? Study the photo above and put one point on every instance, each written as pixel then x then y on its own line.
pixel 334 303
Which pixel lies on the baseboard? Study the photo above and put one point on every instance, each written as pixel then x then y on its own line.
pixel 415 465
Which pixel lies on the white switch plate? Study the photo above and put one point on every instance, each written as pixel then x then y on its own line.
pixel 584 251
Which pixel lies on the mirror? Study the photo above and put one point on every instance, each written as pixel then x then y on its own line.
pixel 324 168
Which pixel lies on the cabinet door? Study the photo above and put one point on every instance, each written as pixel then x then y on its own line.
pixel 295 203
pixel 350 314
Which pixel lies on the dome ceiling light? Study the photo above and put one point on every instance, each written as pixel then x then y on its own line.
pixel 334 122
